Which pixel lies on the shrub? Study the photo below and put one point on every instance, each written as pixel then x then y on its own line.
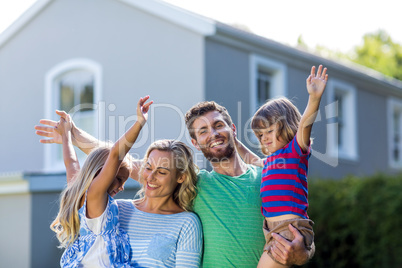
pixel 358 221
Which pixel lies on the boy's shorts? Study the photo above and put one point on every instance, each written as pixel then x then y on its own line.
pixel 304 226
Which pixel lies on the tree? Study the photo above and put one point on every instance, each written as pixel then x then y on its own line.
pixel 380 53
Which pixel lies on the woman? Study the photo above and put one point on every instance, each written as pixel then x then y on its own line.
pixel 162 231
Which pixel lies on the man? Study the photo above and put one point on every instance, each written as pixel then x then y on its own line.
pixel 228 201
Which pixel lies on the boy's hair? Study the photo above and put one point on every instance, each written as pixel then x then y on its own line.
pixel 67 223
pixel 182 155
pixel 280 111
pixel 202 108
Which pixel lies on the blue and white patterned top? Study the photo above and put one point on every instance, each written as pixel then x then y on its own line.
pixel 159 240
pixel 117 241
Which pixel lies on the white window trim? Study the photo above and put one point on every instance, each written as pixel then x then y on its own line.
pixel 50 78
pixel 351 120
pixel 279 86
pixel 279 71
pixel 392 103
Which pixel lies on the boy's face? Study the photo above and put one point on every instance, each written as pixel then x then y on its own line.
pixel 269 139
pixel 213 136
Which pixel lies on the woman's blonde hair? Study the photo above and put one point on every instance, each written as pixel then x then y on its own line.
pixel 280 111
pixel 67 223
pixel 185 192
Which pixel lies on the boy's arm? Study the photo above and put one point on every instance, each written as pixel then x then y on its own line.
pixel 247 155
pixel 315 87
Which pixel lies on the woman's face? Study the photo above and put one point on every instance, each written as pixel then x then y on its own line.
pixel 160 175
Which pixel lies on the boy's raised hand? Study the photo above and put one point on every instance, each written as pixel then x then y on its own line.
pixel 142 110
pixel 316 82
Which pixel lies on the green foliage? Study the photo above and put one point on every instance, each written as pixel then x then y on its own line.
pixel 358 222
pixel 380 53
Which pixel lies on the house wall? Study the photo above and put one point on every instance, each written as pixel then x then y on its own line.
pixel 139 54
pixel 15 231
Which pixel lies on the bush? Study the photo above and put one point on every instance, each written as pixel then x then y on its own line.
pixel 358 221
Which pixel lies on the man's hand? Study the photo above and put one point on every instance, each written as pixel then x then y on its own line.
pixel 290 252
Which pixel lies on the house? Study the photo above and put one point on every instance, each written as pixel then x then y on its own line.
pixel 95 58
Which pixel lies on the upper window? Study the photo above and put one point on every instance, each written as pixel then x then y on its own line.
pixel 395 132
pixel 342 132
pixel 267 80
pixel 74 87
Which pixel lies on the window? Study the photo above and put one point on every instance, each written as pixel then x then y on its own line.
pixel 395 132
pixel 74 87
pixel 267 80
pixel 342 130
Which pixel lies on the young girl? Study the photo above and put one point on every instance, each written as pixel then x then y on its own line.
pixel 284 136
pixel 87 224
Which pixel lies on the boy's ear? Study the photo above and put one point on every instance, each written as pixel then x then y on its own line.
pixel 195 143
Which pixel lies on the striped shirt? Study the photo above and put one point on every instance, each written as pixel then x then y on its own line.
pixel 159 240
pixel 284 182
pixel 229 209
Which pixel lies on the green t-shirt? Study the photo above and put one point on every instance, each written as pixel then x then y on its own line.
pixel 230 212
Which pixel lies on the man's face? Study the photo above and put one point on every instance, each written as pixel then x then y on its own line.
pixel 213 136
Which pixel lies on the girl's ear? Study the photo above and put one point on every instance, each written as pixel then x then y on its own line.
pixel 181 178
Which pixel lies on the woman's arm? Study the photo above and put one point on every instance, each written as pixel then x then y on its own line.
pixel 84 141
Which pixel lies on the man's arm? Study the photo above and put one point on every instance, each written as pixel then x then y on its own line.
pixel 247 155
pixel 291 252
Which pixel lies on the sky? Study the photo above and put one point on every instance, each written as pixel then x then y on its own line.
pixel 337 25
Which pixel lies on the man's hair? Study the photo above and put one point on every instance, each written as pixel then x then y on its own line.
pixel 202 108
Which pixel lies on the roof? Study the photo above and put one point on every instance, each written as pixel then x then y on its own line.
pixel 176 15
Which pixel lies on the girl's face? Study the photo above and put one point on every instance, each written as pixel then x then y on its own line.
pixel 269 140
pixel 159 175
pixel 119 181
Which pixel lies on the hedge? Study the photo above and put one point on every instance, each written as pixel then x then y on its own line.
pixel 358 221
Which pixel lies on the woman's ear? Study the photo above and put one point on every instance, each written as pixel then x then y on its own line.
pixel 181 178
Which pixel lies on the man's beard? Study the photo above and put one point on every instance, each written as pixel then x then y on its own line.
pixel 219 156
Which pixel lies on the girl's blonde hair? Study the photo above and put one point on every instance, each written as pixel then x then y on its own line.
pixel 185 192
pixel 67 223
pixel 280 111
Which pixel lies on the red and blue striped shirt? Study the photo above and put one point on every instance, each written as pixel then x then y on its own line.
pixel 284 182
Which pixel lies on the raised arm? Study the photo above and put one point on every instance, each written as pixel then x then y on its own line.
pixel 315 87
pixel 63 128
pixel 84 141
pixel 97 192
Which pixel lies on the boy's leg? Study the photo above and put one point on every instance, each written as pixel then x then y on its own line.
pixel 267 262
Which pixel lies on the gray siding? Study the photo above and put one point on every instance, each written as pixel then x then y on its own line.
pixel 139 54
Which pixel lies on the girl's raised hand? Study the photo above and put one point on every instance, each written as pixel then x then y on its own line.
pixel 142 110
pixel 316 82
pixel 64 125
